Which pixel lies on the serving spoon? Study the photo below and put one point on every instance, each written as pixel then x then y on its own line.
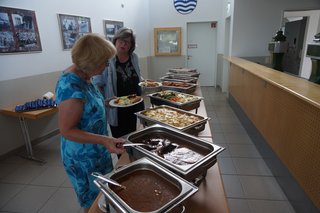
pixel 139 144
pixel 100 176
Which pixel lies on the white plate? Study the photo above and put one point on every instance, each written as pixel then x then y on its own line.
pixel 112 103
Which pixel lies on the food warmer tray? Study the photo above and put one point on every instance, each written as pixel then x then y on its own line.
pixel 194 172
pixel 182 70
pixel 193 129
pixel 184 188
pixel 187 79
pixel 184 74
pixel 190 105
pixel 190 89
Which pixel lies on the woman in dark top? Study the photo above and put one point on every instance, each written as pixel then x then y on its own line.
pixel 121 78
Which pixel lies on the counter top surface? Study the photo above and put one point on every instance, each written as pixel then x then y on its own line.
pixel 299 87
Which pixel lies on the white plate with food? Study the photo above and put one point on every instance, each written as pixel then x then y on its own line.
pixel 149 84
pixel 126 101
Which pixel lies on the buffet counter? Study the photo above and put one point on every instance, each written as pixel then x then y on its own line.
pixel 210 197
pixel 286 111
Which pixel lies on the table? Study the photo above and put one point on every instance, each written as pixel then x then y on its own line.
pixel 210 197
pixel 35 114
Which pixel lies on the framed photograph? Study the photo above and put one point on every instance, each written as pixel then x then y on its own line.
pixel 72 28
pixel 111 27
pixel 167 41
pixel 18 31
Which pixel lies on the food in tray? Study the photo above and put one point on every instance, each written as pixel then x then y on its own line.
pixel 157 190
pixel 170 149
pixel 127 100
pixel 149 83
pixel 176 97
pixel 172 117
pixel 184 70
pixel 176 84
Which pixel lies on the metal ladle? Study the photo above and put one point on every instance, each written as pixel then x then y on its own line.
pixel 108 180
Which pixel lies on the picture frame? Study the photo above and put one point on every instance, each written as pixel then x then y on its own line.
pixel 72 28
pixel 111 27
pixel 167 41
pixel 19 31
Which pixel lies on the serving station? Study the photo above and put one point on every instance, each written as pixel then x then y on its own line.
pixel 199 183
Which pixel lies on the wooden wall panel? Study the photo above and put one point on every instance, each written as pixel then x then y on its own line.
pixel 289 124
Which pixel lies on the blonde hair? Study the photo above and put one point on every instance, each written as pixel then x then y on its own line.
pixel 91 51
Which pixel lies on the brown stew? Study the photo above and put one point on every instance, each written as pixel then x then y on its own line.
pixel 146 190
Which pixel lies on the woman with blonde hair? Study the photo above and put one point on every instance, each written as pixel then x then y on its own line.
pixel 85 146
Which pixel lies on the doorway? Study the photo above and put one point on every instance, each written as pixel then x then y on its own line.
pixel 294 30
pixel 202 51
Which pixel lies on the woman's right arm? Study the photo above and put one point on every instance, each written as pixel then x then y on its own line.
pixel 70 112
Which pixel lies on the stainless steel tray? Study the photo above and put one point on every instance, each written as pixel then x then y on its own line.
pixel 186 189
pixel 194 128
pixel 190 89
pixel 192 172
pixel 190 105
pixel 183 74
pixel 179 78
pixel 182 70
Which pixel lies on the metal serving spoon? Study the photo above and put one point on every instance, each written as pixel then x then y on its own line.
pixel 139 144
pixel 100 176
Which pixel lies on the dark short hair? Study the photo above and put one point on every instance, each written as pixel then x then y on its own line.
pixel 123 33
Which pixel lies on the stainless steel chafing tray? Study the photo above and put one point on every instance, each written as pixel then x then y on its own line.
pixel 185 189
pixel 189 89
pixel 183 74
pixel 156 99
pixel 194 171
pixel 188 79
pixel 193 128
pixel 182 70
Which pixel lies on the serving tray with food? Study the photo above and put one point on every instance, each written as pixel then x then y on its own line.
pixel 175 99
pixel 186 155
pixel 173 117
pixel 185 71
pixel 179 78
pixel 126 101
pixel 150 86
pixel 184 87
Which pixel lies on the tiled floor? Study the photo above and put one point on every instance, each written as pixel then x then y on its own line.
pixel 250 187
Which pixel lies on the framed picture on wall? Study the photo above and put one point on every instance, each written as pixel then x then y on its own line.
pixel 18 31
pixel 110 28
pixel 72 28
pixel 167 41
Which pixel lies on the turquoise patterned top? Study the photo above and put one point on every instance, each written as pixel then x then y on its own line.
pixel 93 118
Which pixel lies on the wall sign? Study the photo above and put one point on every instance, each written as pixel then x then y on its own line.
pixel 18 31
pixel 185 6
pixel 111 27
pixel 167 41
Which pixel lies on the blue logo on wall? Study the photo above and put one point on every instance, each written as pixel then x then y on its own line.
pixel 185 6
